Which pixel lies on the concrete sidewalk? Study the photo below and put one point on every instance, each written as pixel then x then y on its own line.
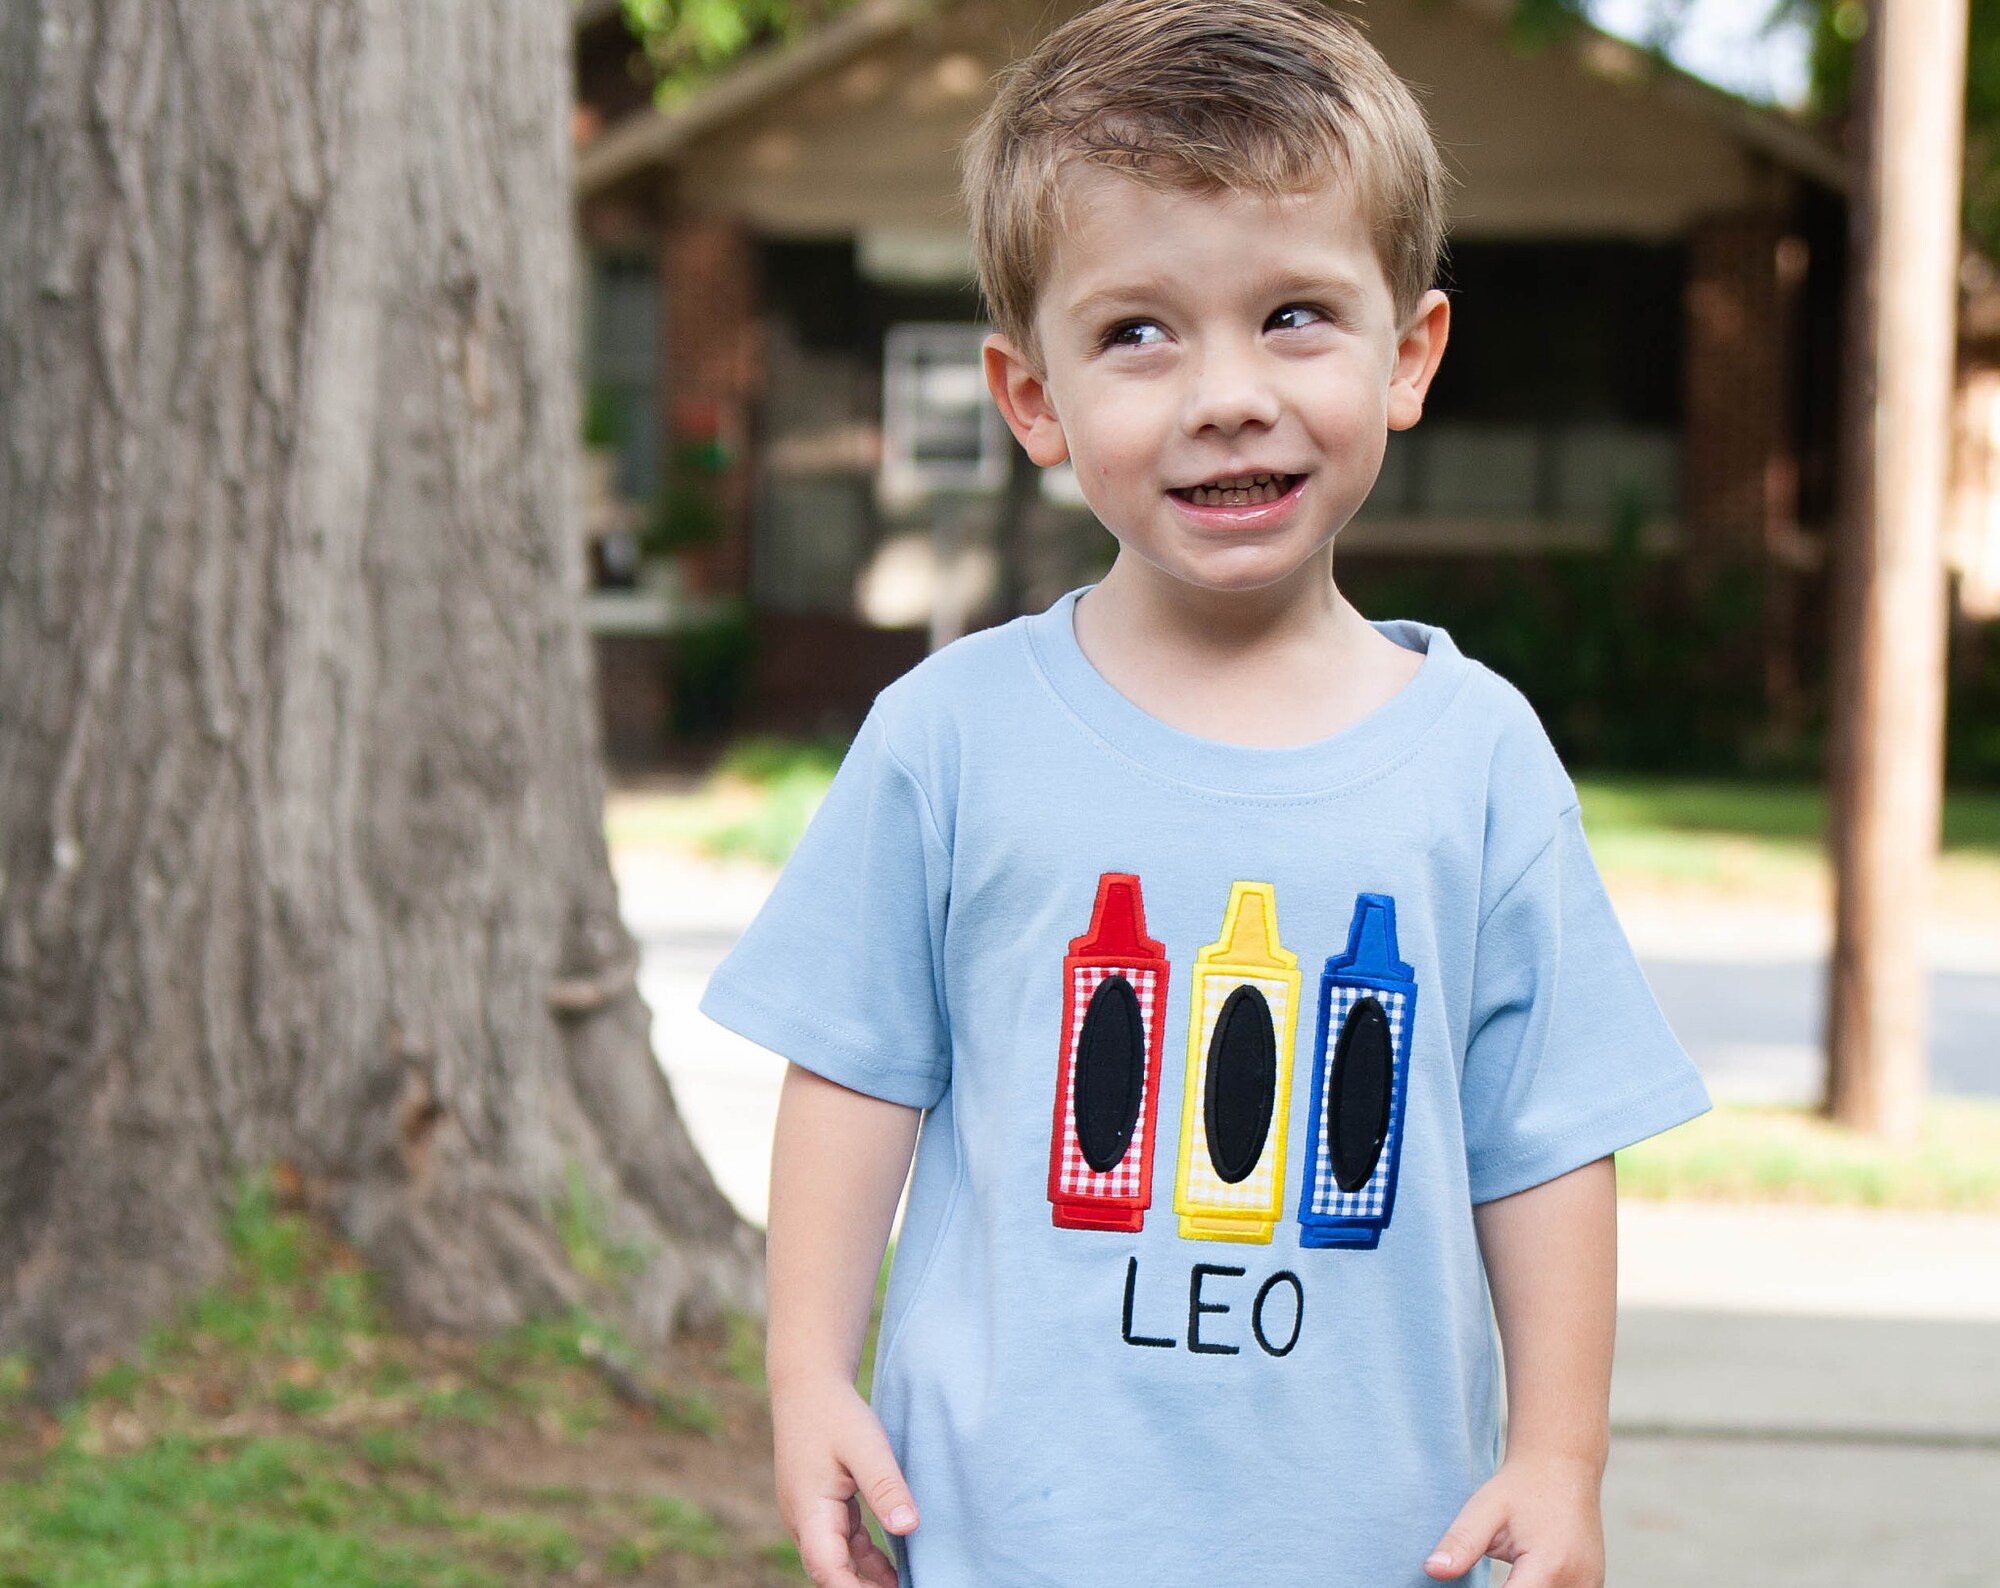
pixel 1802 1396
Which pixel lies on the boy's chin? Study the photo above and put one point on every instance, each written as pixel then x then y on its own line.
pixel 1239 573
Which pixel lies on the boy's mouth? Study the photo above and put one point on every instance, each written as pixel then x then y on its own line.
pixel 1240 490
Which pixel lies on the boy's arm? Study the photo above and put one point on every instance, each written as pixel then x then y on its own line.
pixel 838 1162
pixel 1552 1264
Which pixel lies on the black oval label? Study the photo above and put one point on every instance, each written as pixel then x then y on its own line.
pixel 1242 1084
pixel 1110 1073
pixel 1357 1120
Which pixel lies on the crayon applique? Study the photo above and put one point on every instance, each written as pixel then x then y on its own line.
pixel 1361 1067
pixel 1108 1076
pixel 1239 1076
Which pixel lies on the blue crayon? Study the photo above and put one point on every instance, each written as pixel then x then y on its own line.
pixel 1361 1067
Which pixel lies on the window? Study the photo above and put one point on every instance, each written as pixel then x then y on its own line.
pixel 621 418
pixel 940 430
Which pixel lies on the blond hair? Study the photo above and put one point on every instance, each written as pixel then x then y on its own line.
pixel 1271 97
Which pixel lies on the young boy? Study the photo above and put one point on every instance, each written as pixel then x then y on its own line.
pixel 1243 959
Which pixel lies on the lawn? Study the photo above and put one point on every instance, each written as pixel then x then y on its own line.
pixel 752 805
pixel 279 1433
pixel 1762 842
pixel 1739 1153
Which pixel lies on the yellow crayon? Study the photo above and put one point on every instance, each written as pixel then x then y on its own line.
pixel 1239 1076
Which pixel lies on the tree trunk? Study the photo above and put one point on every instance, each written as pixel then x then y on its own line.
pixel 1889 604
pixel 300 793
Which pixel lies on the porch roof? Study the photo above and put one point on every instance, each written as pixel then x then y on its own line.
pixel 1627 139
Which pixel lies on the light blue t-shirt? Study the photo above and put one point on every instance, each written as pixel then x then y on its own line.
pixel 1219 1046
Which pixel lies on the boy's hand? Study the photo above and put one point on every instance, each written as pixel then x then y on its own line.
pixel 830 1451
pixel 1540 1514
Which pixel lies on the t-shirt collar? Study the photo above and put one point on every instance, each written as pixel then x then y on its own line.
pixel 1358 752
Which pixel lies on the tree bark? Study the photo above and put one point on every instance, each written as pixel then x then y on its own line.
pixel 1890 593
pixel 300 795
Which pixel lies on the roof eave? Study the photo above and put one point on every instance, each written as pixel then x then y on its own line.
pixel 654 136
pixel 1766 131
pixel 1769 132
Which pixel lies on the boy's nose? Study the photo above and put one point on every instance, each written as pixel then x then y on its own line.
pixel 1227 391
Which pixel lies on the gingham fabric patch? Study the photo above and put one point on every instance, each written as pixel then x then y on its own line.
pixel 1123 1179
pixel 1205 1188
pixel 1372 1199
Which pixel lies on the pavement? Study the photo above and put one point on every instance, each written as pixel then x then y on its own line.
pixel 1745 989
pixel 1802 1396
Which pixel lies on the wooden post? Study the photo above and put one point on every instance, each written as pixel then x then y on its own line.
pixel 1889 607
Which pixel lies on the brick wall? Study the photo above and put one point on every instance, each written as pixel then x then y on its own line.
pixel 1746 275
pixel 817 672
pixel 713 369
pixel 1740 495
pixel 632 695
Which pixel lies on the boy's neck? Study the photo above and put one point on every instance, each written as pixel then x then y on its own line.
pixel 1284 665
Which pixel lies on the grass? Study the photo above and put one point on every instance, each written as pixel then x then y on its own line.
pixel 1738 1153
pixel 1764 840
pixel 184 1509
pixel 753 805
pixel 1746 839
pixel 583 1223
pixel 281 1433
pixel 1783 813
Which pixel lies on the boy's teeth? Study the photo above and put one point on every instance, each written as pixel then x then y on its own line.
pixel 1242 490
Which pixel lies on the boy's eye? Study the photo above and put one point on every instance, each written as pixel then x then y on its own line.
pixel 1295 316
pixel 1134 333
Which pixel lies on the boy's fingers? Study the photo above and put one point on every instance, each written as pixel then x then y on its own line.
pixel 823 1546
pixel 1465 1542
pixel 1531 1572
pixel 868 1457
pixel 875 1567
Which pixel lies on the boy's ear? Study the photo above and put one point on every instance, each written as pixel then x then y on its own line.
pixel 1023 398
pixel 1417 355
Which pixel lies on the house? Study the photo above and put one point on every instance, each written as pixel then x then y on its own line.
pixel 1647 276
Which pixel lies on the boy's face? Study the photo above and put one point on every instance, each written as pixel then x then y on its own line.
pixel 1192 343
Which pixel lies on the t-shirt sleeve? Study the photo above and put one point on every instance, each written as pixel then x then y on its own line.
pixel 1568 1056
pixel 839 972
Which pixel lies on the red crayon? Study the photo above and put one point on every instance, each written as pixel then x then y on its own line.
pixel 1108 1081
